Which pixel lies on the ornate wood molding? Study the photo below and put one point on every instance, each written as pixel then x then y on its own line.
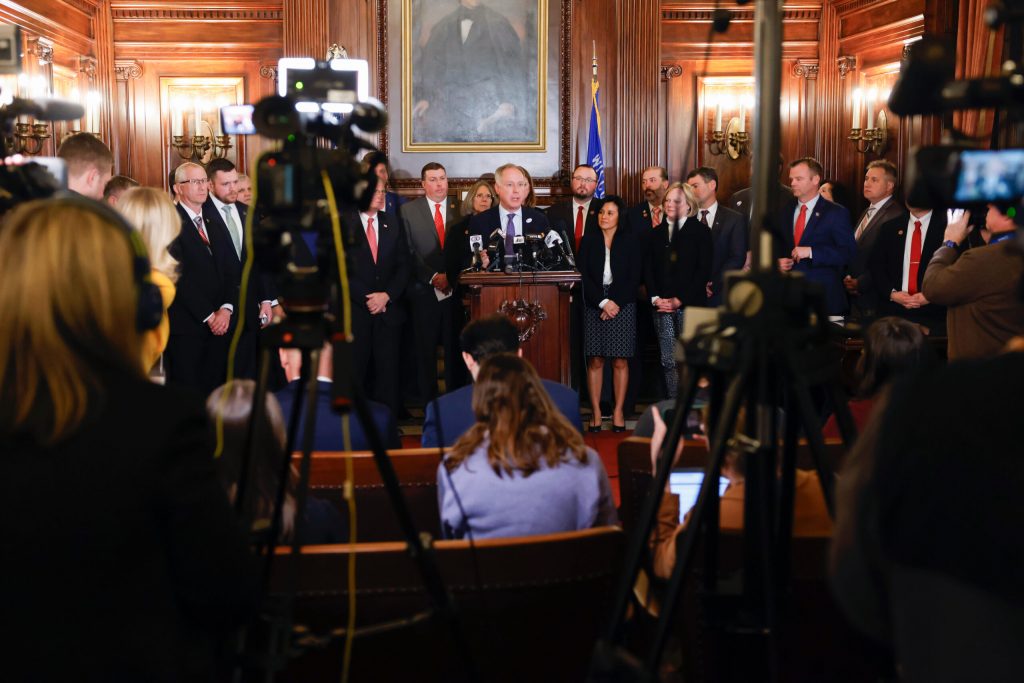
pixel 670 71
pixel 268 71
pixel 125 71
pixel 42 49
pixel 745 15
pixel 382 66
pixel 142 14
pixel 846 64
pixel 87 66
pixel 806 68
pixel 905 52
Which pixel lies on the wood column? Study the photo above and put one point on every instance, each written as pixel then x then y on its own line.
pixel 979 52
pixel 110 123
pixel 306 28
pixel 634 113
pixel 832 149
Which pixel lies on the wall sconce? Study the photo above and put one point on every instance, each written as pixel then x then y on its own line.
pixel 197 146
pixel 734 139
pixel 28 138
pixel 874 138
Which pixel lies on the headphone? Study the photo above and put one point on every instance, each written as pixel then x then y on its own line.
pixel 150 308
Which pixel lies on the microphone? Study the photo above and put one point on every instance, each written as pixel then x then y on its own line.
pixel 535 242
pixel 552 239
pixel 496 244
pixel 49 109
pixel 475 245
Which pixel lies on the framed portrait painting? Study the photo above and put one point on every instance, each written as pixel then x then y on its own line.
pixel 474 83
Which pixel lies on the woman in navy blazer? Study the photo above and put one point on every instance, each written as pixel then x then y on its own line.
pixel 610 263
pixel 676 272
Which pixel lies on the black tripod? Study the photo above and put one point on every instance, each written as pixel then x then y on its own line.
pixel 277 642
pixel 768 352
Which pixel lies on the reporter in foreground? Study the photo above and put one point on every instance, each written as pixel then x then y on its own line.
pixel 522 469
pixel 122 557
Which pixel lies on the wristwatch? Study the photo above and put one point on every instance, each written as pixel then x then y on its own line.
pixel 951 244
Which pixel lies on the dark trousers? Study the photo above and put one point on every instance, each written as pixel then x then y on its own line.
pixel 197 361
pixel 437 322
pixel 375 357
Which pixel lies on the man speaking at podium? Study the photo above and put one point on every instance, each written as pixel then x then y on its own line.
pixel 510 218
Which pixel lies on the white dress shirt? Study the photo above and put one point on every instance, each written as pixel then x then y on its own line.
pixel 925 221
pixel 807 218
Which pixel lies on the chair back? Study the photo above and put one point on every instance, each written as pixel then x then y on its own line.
pixel 530 608
pixel 635 476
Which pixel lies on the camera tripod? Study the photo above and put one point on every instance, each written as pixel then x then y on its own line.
pixel 768 352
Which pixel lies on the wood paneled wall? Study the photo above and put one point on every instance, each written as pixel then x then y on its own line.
pixel 658 62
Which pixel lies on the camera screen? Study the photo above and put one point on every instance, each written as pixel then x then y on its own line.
pixel 990 176
pixel 236 119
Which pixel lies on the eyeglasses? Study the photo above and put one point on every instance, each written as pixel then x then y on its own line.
pixel 196 182
pixel 588 181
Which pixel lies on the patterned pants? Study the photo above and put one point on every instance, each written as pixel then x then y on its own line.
pixel 668 327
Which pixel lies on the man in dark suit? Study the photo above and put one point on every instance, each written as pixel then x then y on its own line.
pixel 378 276
pixel 201 313
pixel 449 416
pixel 902 250
pixel 879 185
pixel 509 215
pixel 815 236
pixel 436 313
pixel 729 233
pixel 740 200
pixel 577 216
pixel 649 213
pixel 328 435
pixel 222 209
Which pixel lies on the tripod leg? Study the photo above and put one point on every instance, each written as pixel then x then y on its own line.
pixel 812 430
pixel 719 442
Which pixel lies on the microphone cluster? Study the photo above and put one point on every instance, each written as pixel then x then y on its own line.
pixel 530 252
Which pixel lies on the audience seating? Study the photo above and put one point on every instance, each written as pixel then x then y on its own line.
pixel 416 469
pixel 530 607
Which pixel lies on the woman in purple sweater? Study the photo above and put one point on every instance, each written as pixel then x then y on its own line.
pixel 522 469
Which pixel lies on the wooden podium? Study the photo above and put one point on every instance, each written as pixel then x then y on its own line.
pixel 538 305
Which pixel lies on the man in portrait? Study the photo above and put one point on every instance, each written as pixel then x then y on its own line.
pixel 471 81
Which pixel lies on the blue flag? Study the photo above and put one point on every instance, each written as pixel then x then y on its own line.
pixel 595 157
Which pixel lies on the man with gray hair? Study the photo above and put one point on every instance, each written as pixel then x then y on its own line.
pixel 511 215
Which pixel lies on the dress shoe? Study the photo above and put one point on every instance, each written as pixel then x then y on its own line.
pixel 618 428
pixel 594 429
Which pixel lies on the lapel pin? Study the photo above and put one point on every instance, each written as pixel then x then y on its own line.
pixel 900 232
pixel 529 220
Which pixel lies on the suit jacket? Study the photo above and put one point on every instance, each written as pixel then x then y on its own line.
pixel 484 223
pixel 627 261
pixel 740 201
pixel 260 286
pixel 830 236
pixel 562 216
pixel 451 415
pixel 638 217
pixel 328 436
pixel 860 268
pixel 680 268
pixel 389 274
pixel 887 268
pixel 731 238
pixel 421 234
pixel 131 540
pixel 208 275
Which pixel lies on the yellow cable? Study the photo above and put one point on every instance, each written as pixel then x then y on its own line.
pixel 339 254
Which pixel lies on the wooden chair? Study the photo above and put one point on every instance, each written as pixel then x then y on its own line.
pixel 635 474
pixel 416 469
pixel 530 607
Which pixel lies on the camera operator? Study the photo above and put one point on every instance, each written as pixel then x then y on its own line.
pixel 979 287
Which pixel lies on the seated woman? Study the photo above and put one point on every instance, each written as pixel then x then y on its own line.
pixel 122 558
pixel 232 403
pixel 152 213
pixel 810 514
pixel 522 469
pixel 892 347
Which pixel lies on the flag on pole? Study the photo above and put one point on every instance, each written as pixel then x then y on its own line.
pixel 595 157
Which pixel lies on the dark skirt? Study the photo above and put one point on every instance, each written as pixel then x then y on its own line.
pixel 615 338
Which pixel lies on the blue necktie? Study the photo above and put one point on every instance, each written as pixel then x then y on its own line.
pixel 510 234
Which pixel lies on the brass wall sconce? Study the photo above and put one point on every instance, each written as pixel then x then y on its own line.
pixel 28 138
pixel 733 140
pixel 873 138
pixel 196 147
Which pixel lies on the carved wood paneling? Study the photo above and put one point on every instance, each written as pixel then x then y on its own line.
pixel 306 28
pixel 635 110
pixel 978 53
pixel 61 22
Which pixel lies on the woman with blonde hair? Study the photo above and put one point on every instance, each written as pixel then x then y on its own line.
pixel 111 515
pixel 522 469
pixel 677 273
pixel 151 212
pixel 232 404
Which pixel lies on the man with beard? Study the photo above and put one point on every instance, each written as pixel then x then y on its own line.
pixel 649 213
pixel 579 215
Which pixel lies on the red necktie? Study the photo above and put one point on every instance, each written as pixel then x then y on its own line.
pixel 198 220
pixel 801 223
pixel 371 237
pixel 915 259
pixel 439 224
pixel 579 226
